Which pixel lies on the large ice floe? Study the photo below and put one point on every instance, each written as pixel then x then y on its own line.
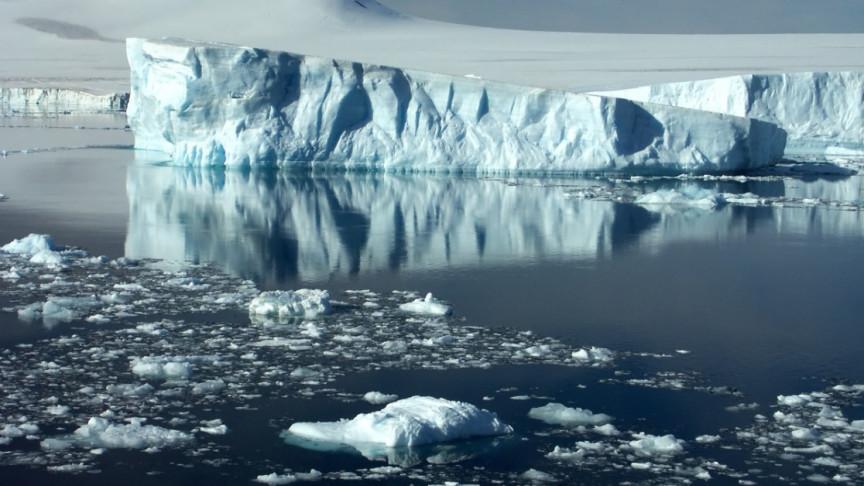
pixel 409 422
pixel 216 104
pixel 822 112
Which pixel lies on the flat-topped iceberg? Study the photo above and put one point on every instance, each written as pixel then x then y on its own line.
pixel 223 105
pixel 820 111
pixel 408 422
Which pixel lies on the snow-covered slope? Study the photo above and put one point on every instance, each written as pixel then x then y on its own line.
pixel 209 104
pixel 53 100
pixel 367 32
pixel 819 111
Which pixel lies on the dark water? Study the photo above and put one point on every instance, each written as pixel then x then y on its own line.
pixel 766 299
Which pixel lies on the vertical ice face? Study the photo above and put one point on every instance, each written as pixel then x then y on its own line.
pixel 821 111
pixel 209 104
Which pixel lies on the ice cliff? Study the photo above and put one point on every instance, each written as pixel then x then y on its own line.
pixel 215 104
pixel 821 111
pixel 53 100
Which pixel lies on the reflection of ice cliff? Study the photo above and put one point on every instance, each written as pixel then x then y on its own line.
pixel 274 225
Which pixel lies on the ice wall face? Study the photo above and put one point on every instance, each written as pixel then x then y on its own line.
pixel 208 104
pixel 821 112
pixel 53 100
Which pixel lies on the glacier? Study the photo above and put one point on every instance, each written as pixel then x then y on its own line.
pixel 59 100
pixel 822 112
pixel 208 104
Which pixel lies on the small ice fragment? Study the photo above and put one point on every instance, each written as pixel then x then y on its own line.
pixel 558 414
pixel 378 398
pixel 427 306
pixel 308 303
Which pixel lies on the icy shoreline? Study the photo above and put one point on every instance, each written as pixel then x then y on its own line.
pixel 59 100
pixel 221 105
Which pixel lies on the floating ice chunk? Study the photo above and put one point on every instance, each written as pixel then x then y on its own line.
pixel 686 195
pixel 607 430
pixel 208 387
pixel 408 422
pixel 707 439
pixel 275 479
pixel 213 427
pixel 12 431
pixel 427 306
pixel 558 414
pixel 794 400
pixel 57 410
pixel 58 309
pixel 30 245
pixel 378 398
pixel 647 445
pixel 40 248
pixel 535 476
pixel 130 390
pixel 303 373
pixel 99 432
pixel 593 355
pixel 283 304
pixel 161 368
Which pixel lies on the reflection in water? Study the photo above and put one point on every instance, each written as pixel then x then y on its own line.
pixel 447 453
pixel 278 226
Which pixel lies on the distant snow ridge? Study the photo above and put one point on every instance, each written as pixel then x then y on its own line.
pixel 820 111
pixel 409 422
pixel 52 100
pixel 216 104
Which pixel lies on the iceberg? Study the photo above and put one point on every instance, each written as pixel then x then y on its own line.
pixel 409 422
pixel 101 433
pixel 208 104
pixel 820 111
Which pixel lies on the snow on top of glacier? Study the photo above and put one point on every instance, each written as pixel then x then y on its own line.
pixel 366 31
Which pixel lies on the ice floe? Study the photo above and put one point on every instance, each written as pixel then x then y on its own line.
pixel 99 432
pixel 286 304
pixel 378 398
pixel 428 305
pixel 559 414
pixel 408 422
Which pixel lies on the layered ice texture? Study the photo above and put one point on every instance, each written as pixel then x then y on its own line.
pixel 409 422
pixel 59 100
pixel 820 111
pixel 222 105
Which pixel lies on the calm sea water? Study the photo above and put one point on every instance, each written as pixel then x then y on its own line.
pixel 765 300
